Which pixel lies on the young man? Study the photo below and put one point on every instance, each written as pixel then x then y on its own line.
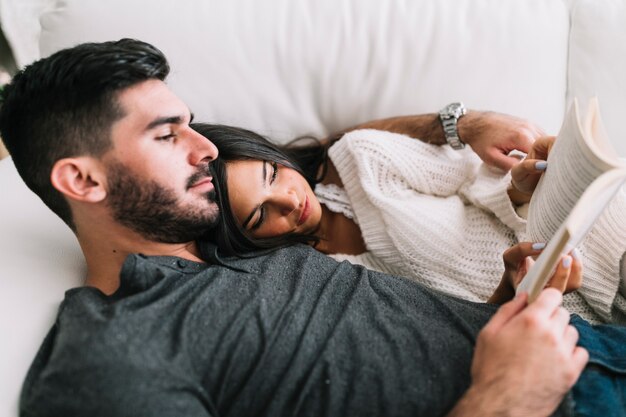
pixel 95 132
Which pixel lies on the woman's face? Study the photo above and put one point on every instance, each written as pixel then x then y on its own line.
pixel 269 199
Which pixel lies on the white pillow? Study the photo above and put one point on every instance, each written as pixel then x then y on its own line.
pixel 19 21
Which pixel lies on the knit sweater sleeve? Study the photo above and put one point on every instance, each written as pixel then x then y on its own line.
pixel 428 169
pixel 603 262
pixel 432 170
pixel 488 190
pixel 405 195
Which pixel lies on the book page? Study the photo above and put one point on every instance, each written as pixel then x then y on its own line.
pixel 573 230
pixel 583 175
pixel 580 154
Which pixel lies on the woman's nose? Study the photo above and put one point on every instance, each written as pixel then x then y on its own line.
pixel 287 202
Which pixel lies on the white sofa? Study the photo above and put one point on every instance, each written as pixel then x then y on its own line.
pixel 290 67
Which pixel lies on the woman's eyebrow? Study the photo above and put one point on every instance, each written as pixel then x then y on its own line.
pixel 264 173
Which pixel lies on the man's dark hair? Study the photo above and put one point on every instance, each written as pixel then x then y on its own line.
pixel 236 144
pixel 65 105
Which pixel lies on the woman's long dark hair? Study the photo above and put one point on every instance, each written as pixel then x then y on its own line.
pixel 306 155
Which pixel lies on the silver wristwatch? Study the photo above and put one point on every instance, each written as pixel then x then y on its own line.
pixel 449 117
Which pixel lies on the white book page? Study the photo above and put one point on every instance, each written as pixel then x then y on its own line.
pixel 573 230
pixel 580 154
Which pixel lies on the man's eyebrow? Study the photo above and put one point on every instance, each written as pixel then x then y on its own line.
pixel 166 120
pixel 251 215
pixel 176 120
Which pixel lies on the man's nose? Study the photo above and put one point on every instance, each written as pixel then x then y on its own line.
pixel 202 150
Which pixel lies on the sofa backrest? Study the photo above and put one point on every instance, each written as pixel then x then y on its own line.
pixel 597 62
pixel 292 67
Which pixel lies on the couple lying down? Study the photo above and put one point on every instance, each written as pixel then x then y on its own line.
pixel 158 331
pixel 399 205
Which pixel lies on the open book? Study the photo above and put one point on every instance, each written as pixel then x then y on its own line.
pixel 584 173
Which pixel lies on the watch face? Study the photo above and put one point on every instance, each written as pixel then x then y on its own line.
pixel 455 110
pixel 448 111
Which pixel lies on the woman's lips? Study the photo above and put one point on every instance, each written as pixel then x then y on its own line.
pixel 306 211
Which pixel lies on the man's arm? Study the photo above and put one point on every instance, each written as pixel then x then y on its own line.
pixel 526 360
pixel 491 135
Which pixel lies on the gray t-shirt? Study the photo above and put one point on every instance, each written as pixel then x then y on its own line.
pixel 290 333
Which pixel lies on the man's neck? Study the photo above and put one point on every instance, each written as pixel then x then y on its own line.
pixel 106 251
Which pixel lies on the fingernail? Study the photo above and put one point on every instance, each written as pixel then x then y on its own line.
pixel 567 262
pixel 576 254
pixel 541 165
pixel 538 246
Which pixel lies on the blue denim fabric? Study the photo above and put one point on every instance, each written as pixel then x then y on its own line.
pixel 601 389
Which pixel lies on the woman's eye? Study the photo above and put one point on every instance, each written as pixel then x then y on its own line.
pixel 259 222
pixel 274 172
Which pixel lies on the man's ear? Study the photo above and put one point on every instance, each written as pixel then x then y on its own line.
pixel 80 179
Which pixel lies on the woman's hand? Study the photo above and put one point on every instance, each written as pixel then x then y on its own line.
pixel 526 174
pixel 517 262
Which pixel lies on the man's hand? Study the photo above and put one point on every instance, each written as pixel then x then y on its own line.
pixel 517 262
pixel 526 359
pixel 494 135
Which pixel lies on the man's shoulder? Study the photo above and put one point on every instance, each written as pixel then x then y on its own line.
pixel 297 265
pixel 288 258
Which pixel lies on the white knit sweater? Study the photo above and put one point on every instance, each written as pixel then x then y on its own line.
pixel 443 218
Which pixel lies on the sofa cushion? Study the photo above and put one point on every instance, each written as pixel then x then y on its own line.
pixel 40 260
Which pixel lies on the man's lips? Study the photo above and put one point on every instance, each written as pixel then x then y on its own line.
pixel 306 211
pixel 205 182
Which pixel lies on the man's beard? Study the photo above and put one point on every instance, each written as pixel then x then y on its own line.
pixel 153 211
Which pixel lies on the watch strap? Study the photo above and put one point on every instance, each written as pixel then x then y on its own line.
pixel 449 117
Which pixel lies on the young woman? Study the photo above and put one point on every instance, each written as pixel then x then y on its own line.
pixel 391 203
